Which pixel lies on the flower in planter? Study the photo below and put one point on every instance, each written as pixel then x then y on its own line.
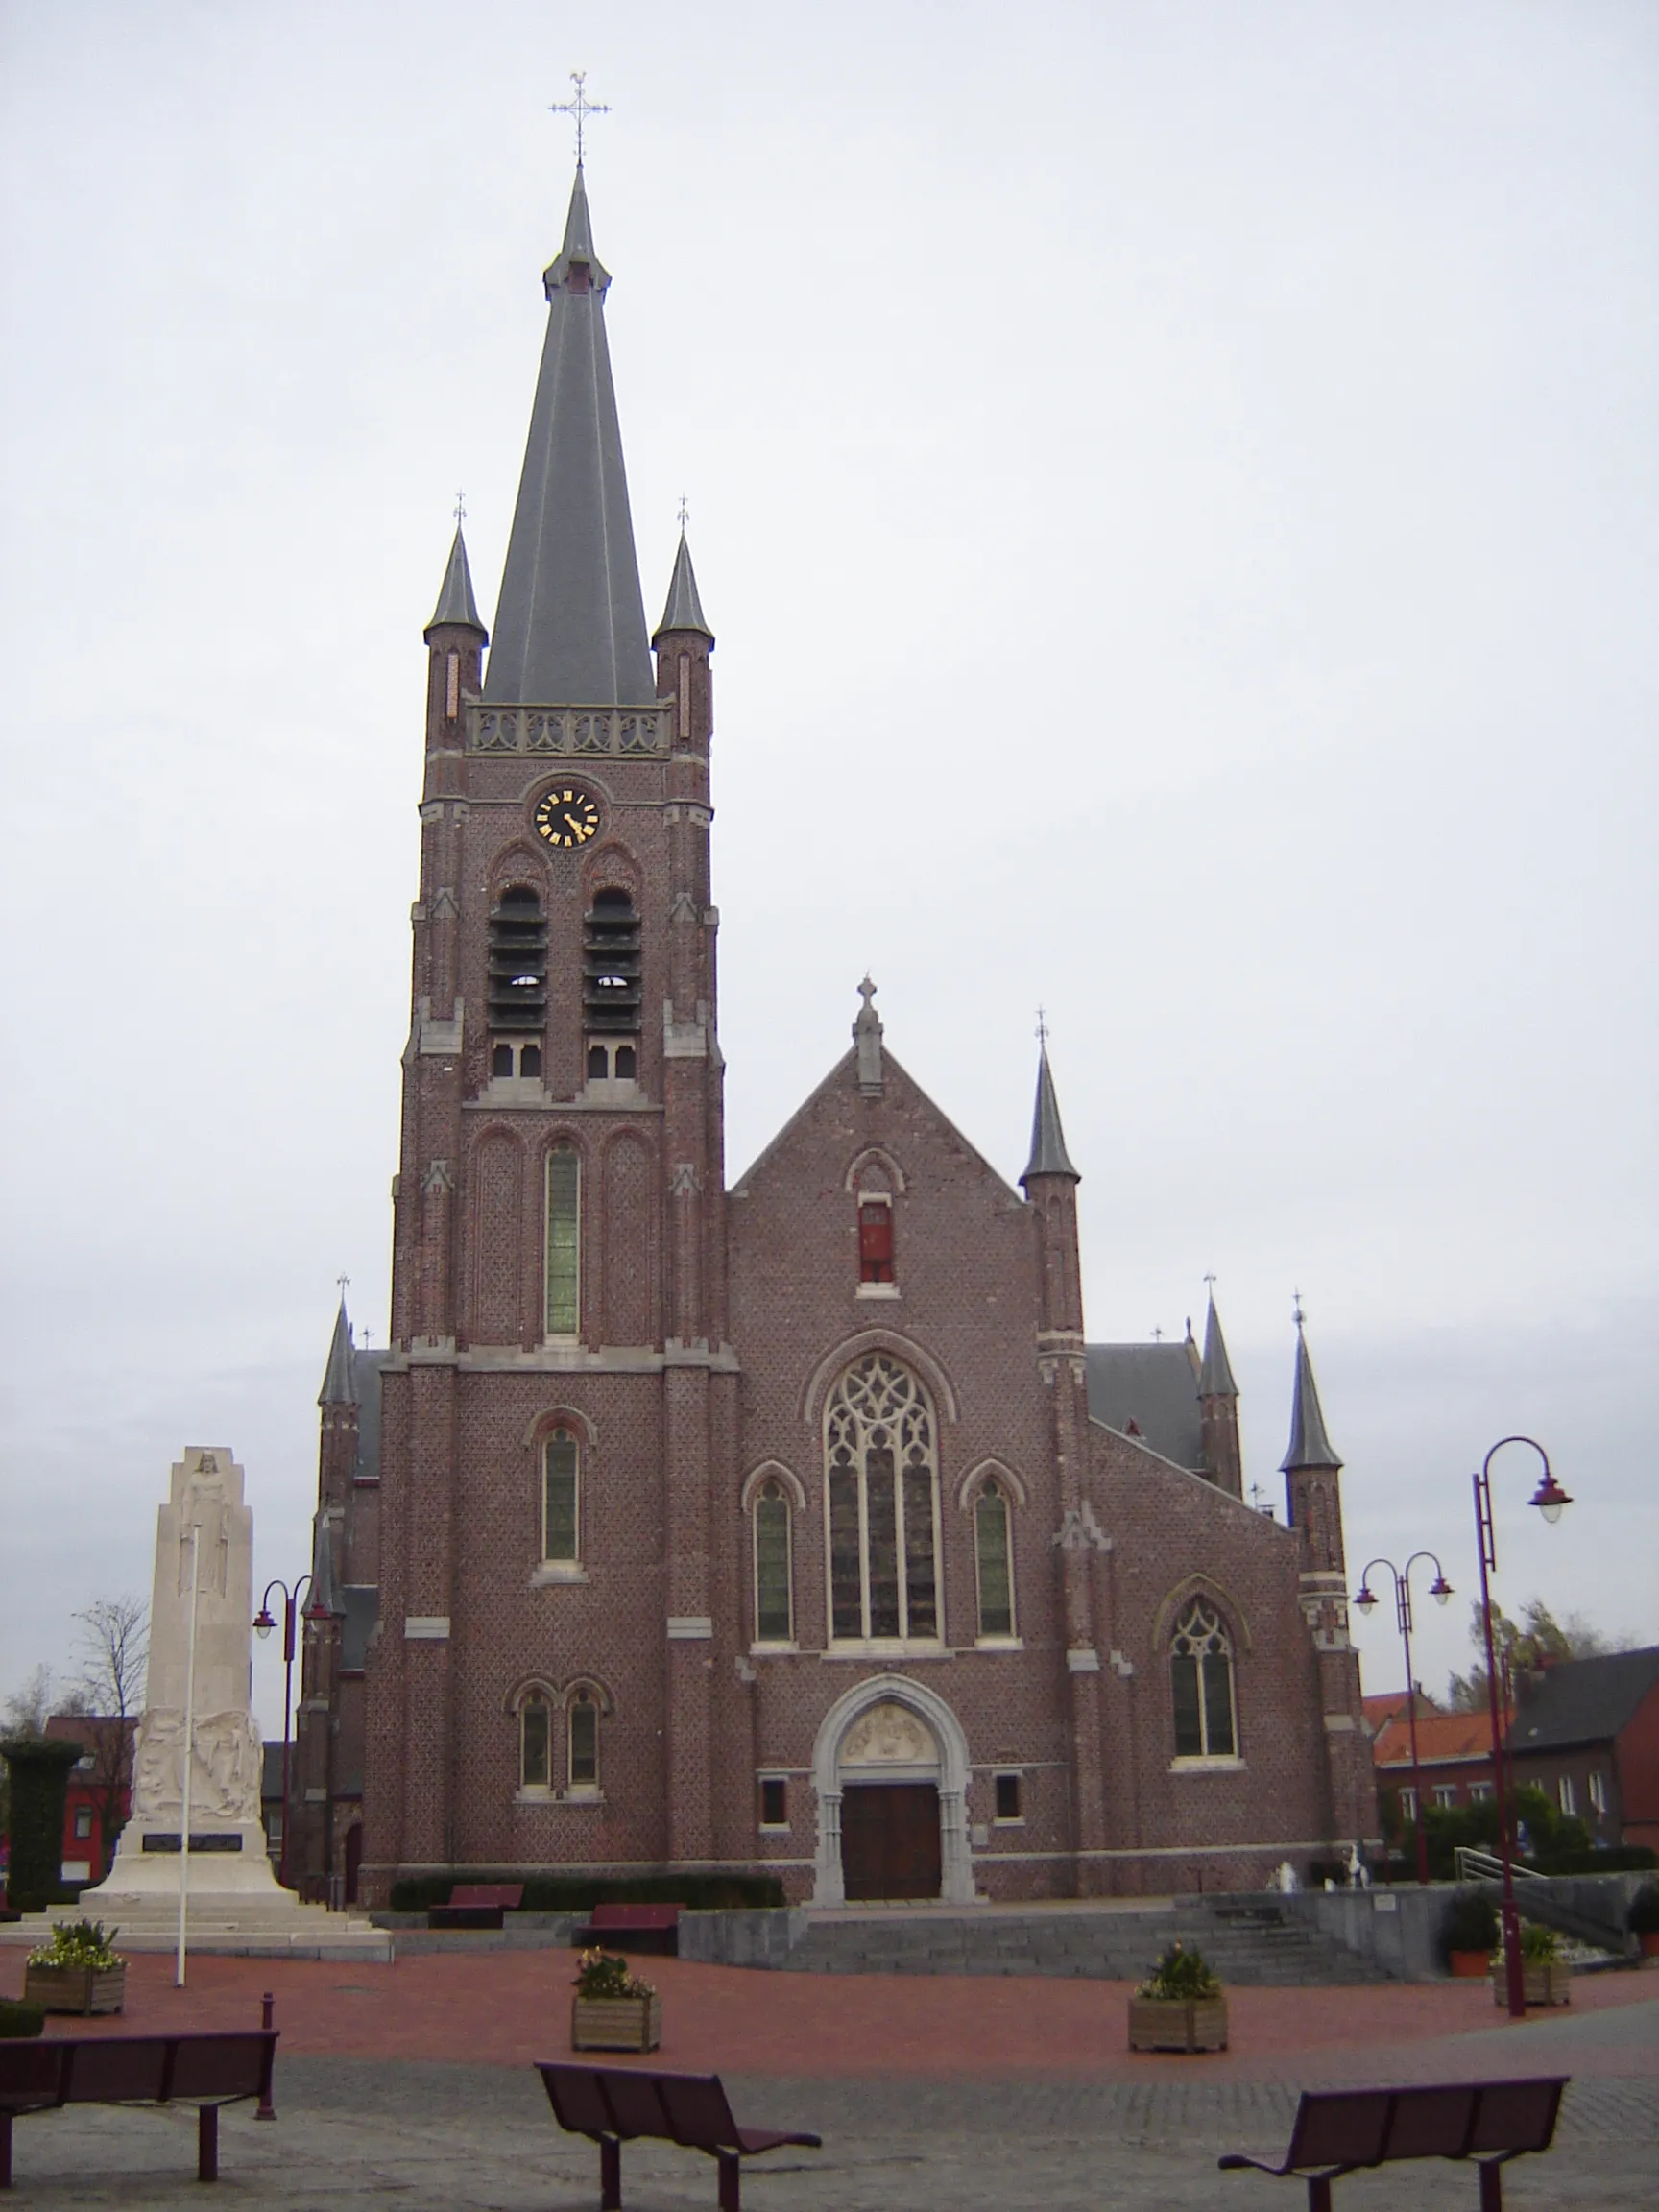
pixel 601 1975
pixel 1181 1974
pixel 79 1943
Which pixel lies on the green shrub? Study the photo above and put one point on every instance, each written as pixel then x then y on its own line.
pixel 38 1774
pixel 77 1943
pixel 1540 1946
pixel 1644 1915
pixel 1180 1974
pixel 1622 1858
pixel 1471 1925
pixel 17 2019
pixel 601 1975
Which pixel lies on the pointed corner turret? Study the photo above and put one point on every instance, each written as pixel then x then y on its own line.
pixel 338 1383
pixel 456 606
pixel 867 1043
pixel 683 613
pixel 1309 1445
pixel 1048 1153
pixel 1215 1374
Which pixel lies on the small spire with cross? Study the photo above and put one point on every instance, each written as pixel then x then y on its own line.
pixel 580 107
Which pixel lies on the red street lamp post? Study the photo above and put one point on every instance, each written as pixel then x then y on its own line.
pixel 1552 1500
pixel 263 1624
pixel 1440 1590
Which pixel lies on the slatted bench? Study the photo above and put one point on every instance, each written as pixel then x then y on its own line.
pixel 476 1905
pixel 640 1927
pixel 206 2071
pixel 617 2104
pixel 1339 2131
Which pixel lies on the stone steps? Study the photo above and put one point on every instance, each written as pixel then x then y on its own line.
pixel 1249 1947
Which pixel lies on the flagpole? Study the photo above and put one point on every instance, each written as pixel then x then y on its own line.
pixel 189 1746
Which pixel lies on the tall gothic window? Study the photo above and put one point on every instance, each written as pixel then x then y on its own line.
pixel 560 1528
pixel 582 1740
pixel 992 1554
pixel 774 1614
pixel 883 1504
pixel 1201 1685
pixel 535 1744
pixel 563 1242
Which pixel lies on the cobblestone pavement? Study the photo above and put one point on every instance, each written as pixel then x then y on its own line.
pixel 960 2105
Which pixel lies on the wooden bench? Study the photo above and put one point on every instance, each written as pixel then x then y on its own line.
pixel 476 1905
pixel 206 2071
pixel 643 1928
pixel 617 2104
pixel 1339 2131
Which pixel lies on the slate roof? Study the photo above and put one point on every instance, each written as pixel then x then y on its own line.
pixel 570 622
pixel 1216 1376
pixel 684 609
pixel 1584 1701
pixel 1309 1445
pixel 360 1603
pixel 366 1368
pixel 455 600
pixel 1048 1153
pixel 339 1381
pixel 1152 1385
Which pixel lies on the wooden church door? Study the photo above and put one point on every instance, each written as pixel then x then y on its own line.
pixel 890 1839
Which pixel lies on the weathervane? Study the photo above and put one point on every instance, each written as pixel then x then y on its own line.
pixel 460 509
pixel 579 105
pixel 343 1281
pixel 1296 1308
pixel 1042 1027
pixel 685 513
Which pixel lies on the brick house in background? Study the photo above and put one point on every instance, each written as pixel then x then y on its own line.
pixel 1586 1731
pixel 1456 1752
pixel 787 1524
pixel 98 1794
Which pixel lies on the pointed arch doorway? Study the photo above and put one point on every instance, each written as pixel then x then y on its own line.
pixel 890 1768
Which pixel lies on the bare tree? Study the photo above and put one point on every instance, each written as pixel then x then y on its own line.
pixel 112 1649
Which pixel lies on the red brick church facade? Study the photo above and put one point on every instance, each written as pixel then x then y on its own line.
pixel 786 1526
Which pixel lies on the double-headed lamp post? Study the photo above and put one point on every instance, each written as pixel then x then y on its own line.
pixel 1552 1500
pixel 263 1624
pixel 1440 1590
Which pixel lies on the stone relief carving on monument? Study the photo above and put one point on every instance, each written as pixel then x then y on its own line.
pixel 888 1735
pixel 158 1788
pixel 224 1779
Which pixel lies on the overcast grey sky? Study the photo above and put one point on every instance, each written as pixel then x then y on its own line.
pixel 1175 489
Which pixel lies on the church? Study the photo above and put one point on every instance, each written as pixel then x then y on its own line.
pixel 786 1524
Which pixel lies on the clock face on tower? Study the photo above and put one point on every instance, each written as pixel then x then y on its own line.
pixel 567 815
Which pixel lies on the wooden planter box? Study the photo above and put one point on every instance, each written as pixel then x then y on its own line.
pixel 616 2023
pixel 76 1988
pixel 1177 2023
pixel 1551 1983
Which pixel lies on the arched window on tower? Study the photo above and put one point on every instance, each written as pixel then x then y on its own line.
pixel 1201 1685
pixel 774 1608
pixel 610 987
pixel 560 1497
pixel 884 1504
pixel 994 1560
pixel 517 972
pixel 564 1266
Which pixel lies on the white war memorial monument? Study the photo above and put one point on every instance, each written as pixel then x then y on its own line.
pixel 203 1566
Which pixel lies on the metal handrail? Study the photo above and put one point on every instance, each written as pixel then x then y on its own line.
pixel 1482 1866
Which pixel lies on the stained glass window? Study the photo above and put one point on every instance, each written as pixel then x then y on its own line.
pixel 884 1489
pixel 1201 1685
pixel 563 1242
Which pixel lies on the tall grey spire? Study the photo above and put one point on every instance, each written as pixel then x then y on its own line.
pixel 684 609
pixel 1048 1153
pixel 1215 1375
pixel 455 600
pixel 338 1383
pixel 570 622
pixel 1309 1446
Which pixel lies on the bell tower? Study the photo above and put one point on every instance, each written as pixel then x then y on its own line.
pixel 558 1391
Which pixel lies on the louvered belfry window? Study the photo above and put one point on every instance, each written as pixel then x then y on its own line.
pixel 518 984
pixel 611 989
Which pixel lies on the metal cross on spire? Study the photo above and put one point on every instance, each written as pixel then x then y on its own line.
pixel 580 107
pixel 1296 1308
pixel 460 509
pixel 1042 1026
pixel 343 1281
pixel 685 513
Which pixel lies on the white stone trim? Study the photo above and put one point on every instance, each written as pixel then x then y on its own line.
pixel 425 1628
pixel 955 1856
pixel 690 1628
pixel 1082 1661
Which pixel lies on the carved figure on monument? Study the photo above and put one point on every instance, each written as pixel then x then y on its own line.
pixel 159 1777
pixel 888 1735
pixel 225 1778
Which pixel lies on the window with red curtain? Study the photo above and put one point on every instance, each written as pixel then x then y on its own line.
pixel 875 1243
